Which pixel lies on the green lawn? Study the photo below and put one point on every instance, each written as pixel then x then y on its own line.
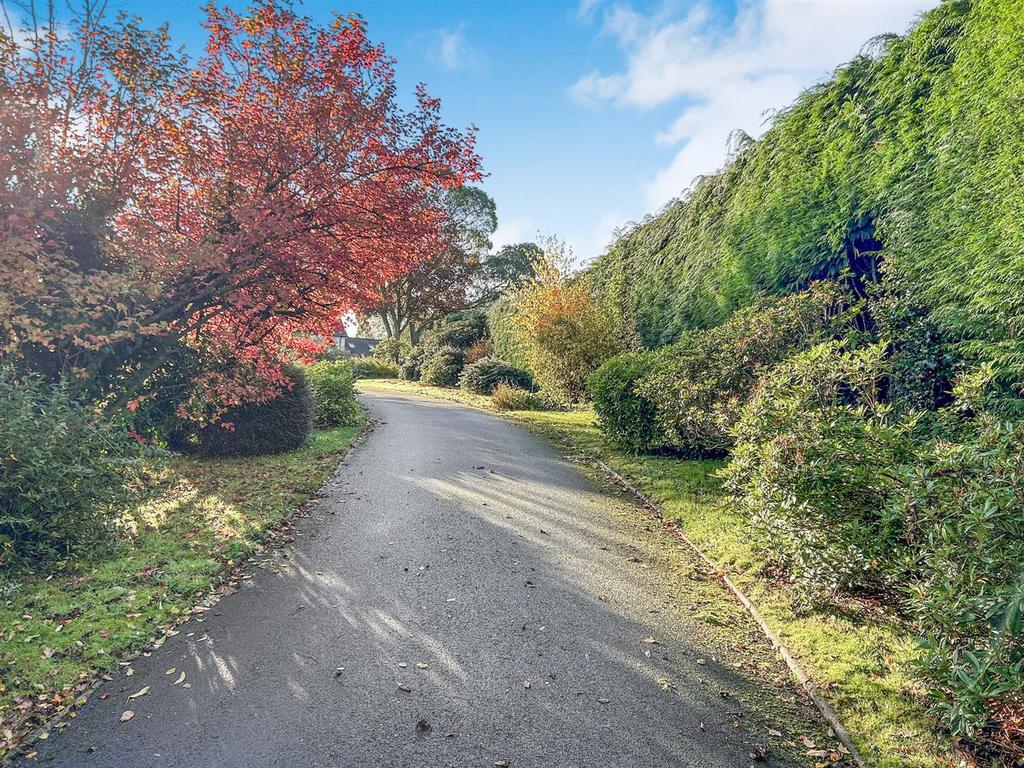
pixel 183 544
pixel 859 659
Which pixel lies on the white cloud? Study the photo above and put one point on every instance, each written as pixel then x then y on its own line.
pixel 451 49
pixel 726 73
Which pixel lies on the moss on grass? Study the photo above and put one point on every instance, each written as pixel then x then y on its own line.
pixel 198 520
pixel 858 658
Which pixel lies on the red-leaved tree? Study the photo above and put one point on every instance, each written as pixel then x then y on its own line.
pixel 171 231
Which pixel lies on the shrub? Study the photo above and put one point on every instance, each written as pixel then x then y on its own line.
pixel 815 460
pixel 373 368
pixel 459 330
pixel 963 504
pixel 411 364
pixel 64 472
pixel 564 334
pixel 627 419
pixel 334 396
pixel 502 330
pixel 391 351
pixel 442 366
pixel 699 384
pixel 510 398
pixel 484 375
pixel 478 350
pixel 283 423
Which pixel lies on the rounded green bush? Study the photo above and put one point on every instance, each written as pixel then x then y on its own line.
pixel 281 424
pixel 627 419
pixel 64 471
pixel 334 395
pixel 457 331
pixel 442 367
pixel 484 375
pixel 409 370
pixel 391 351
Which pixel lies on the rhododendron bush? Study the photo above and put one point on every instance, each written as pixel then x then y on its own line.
pixel 171 230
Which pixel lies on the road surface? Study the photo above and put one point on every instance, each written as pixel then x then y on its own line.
pixel 460 595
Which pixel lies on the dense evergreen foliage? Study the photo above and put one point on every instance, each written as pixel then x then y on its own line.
pixel 905 165
pixel 283 423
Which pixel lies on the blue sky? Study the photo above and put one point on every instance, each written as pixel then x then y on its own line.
pixel 592 113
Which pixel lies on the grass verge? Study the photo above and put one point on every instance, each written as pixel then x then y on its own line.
pixel 858 658
pixel 183 543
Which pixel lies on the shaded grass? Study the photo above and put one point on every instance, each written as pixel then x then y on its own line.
pixel 858 658
pixel 198 520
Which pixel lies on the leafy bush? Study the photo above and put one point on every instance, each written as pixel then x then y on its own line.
pixel 699 384
pixel 334 396
pixel 509 398
pixel 442 366
pixel 564 334
pixel 503 332
pixel 963 504
pixel 373 368
pixel 409 370
pixel 815 462
pixel 478 350
pixel 627 419
pixel 459 330
pixel 391 351
pixel 283 423
pixel 484 375
pixel 64 471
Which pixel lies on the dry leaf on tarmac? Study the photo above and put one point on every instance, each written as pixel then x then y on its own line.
pixel 421 665
pixel 141 692
pixel 181 678
pixel 127 715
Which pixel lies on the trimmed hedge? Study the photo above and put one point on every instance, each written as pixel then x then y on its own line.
pixel 484 375
pixel 627 419
pixel 281 424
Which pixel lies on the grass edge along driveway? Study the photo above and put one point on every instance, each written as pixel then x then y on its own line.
pixel 183 546
pixel 859 659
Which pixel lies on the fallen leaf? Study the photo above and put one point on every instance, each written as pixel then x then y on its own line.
pixel 404 687
pixel 776 734
pixel 181 678
pixel 127 715
pixel 421 665
pixel 501 763
pixel 47 653
pixel 602 701
pixel 171 671
pixel 649 640
pixel 141 692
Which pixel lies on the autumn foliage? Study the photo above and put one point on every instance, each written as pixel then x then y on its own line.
pixel 172 230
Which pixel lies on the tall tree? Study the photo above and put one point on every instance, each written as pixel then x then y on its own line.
pixel 226 211
pixel 411 302
pixel 509 268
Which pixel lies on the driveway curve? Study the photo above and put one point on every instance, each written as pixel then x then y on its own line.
pixel 459 595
